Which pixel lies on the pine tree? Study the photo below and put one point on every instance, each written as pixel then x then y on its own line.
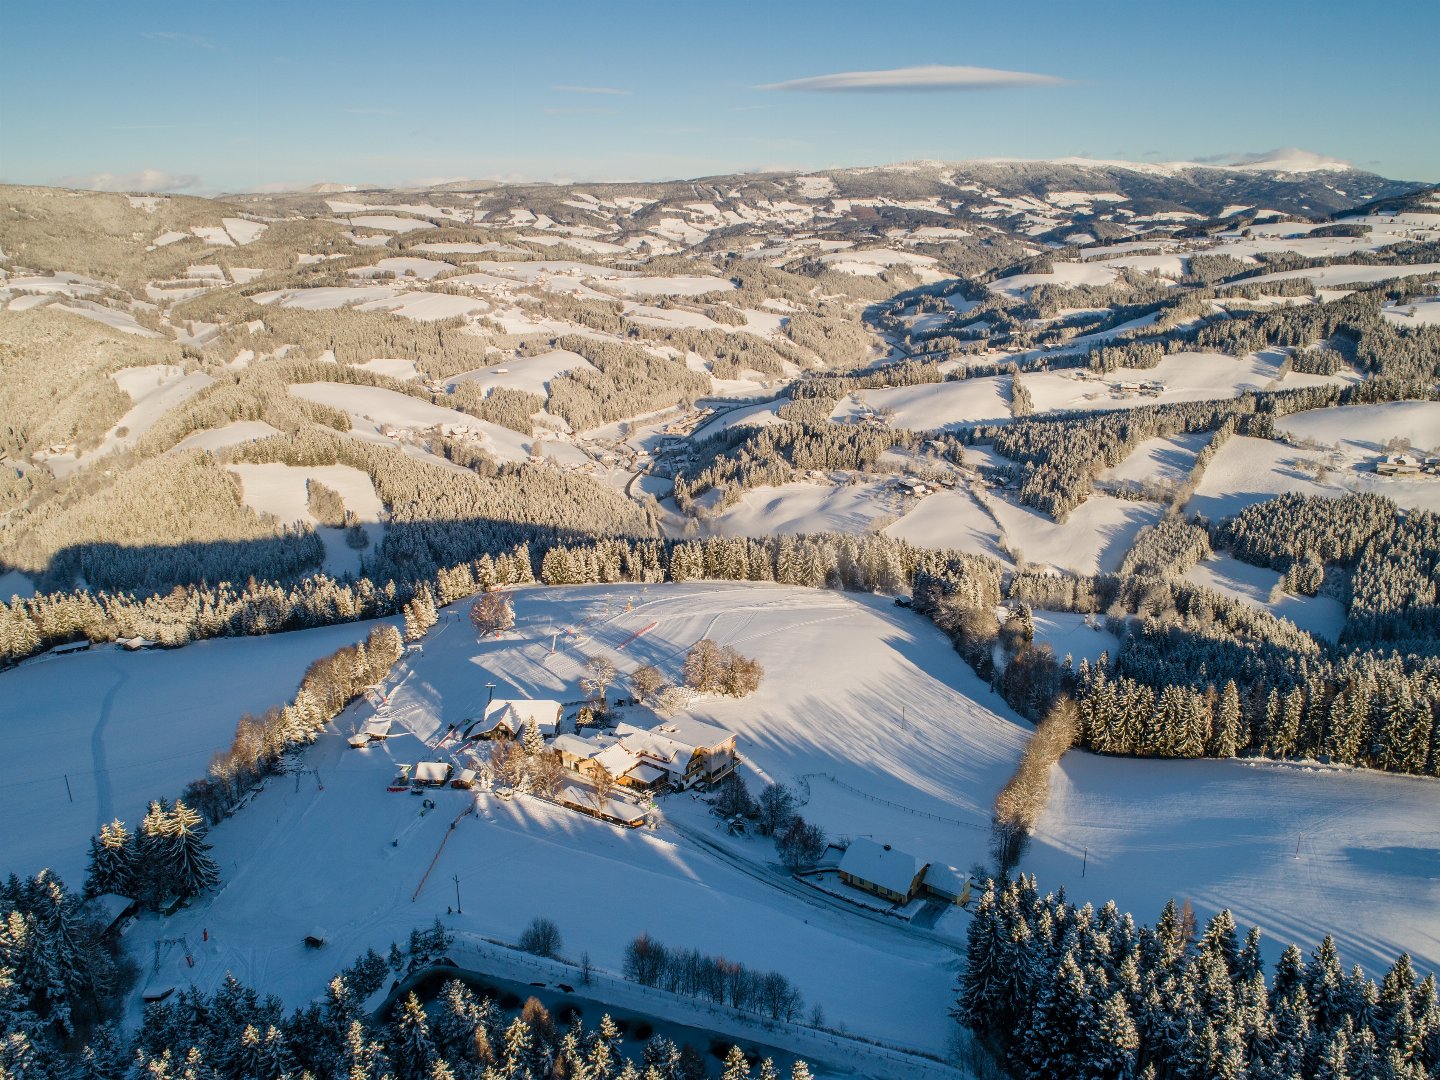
pixel 736 1067
pixel 187 856
pixel 1226 738
pixel 531 738
pixel 112 861
pixel 412 1050
pixel 105 1057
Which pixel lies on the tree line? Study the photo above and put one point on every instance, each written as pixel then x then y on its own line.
pixel 1057 989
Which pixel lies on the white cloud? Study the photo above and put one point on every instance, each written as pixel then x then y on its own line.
pixel 1285 159
pixel 929 77
pixel 144 180
pixel 615 91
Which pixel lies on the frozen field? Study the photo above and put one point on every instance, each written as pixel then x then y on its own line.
pixel 126 728
pixel 1224 834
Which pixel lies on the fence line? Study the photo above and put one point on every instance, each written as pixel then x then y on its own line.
pixel 886 802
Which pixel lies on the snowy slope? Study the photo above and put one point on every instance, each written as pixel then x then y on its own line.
pixel 1223 834
pixel 130 727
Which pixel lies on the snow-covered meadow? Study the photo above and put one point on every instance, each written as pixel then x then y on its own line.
pixel 125 728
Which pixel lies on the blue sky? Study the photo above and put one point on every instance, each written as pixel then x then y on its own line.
pixel 222 95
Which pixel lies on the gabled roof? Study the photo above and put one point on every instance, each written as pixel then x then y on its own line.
pixel 579 746
pixel 881 864
pixel 673 741
pixel 616 760
pixel 580 795
pixel 377 727
pixel 513 714
pixel 432 772
pixel 107 907
pixel 945 880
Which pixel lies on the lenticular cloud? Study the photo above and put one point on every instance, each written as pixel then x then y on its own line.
pixel 930 77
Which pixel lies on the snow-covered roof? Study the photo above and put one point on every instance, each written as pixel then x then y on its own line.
pixel 579 795
pixel 514 713
pixel 673 741
pixel 945 880
pixel 376 727
pixel 579 746
pixel 107 907
pixel 647 773
pixel 432 772
pixel 616 760
pixel 880 864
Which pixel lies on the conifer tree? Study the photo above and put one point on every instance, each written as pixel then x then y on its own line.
pixel 188 865
pixel 412 1049
pixel 112 861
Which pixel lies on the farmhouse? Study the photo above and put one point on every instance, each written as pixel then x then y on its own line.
pixel 578 753
pixel 887 872
pixel 690 751
pixel 505 718
pixel 432 773
pixel 1398 465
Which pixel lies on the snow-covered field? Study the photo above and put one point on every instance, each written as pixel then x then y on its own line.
pixel 807 508
pixel 531 374
pixel 1345 274
pixel 126 728
pixel 273 488
pixel 1165 461
pixel 1323 616
pixel 951 520
pixel 155 390
pixel 221 438
pixel 375 405
pixel 1247 470
pixel 1365 429
pixel 1092 540
pixel 1224 834
pixel 932 406
pixel 856 689
pixel 1187 377
pixel 1080 637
